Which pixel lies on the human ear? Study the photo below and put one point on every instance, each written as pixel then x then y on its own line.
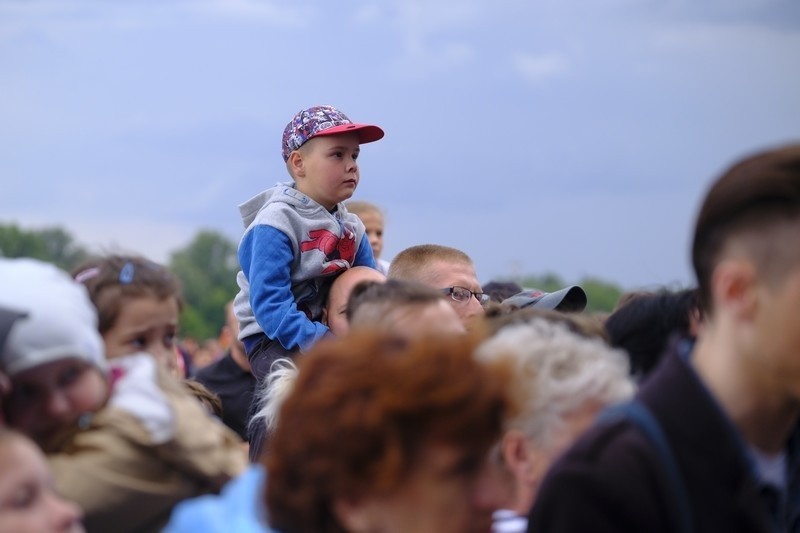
pixel 517 457
pixel 734 288
pixel 296 164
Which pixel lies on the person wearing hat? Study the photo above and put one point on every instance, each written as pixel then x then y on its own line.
pixel 298 235
pixel 125 440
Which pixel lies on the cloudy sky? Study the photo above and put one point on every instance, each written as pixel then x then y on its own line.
pixel 566 136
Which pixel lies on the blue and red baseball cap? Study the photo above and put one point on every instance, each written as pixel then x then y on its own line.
pixel 323 120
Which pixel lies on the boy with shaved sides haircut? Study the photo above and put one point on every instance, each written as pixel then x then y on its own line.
pixel 728 406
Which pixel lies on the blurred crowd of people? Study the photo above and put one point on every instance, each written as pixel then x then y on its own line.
pixel 350 393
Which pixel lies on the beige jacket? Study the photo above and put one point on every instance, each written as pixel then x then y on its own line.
pixel 151 446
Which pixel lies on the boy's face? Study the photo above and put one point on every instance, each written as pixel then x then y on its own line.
pixel 50 398
pixel 327 171
pixel 373 222
pixel 29 502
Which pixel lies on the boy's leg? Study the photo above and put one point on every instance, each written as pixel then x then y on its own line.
pixel 263 354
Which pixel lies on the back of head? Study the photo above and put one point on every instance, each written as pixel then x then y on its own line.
pixel 113 278
pixel 555 372
pixel 755 204
pixel 412 264
pixel 371 303
pixel 500 290
pixel 360 207
pixel 645 322
pixel 583 325
pixel 53 318
pixel 376 402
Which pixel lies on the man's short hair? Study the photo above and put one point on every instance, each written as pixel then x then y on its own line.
pixel 755 202
pixel 412 263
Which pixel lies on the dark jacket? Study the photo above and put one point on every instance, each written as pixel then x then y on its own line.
pixel 235 387
pixel 612 479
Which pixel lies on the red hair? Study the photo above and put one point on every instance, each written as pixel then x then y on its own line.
pixel 360 412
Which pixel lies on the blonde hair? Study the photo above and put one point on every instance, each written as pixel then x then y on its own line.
pixel 412 263
pixel 555 373
pixel 358 207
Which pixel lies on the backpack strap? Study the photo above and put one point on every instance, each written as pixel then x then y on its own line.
pixel 640 416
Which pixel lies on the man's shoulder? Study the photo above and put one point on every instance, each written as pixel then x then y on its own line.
pixel 607 447
pixel 213 372
pixel 609 475
pixel 224 370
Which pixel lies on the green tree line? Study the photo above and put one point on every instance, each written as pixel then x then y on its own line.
pixel 207 268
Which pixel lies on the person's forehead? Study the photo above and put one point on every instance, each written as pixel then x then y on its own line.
pixel 446 273
pixel 344 284
pixel 344 140
pixel 146 312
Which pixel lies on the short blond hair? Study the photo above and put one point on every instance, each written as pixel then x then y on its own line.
pixel 412 263
pixel 359 207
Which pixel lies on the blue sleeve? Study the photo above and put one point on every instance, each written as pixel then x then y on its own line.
pixel 266 258
pixel 364 255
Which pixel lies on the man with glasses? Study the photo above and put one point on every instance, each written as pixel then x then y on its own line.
pixel 444 268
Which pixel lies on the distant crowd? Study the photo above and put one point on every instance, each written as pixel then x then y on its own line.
pixel 350 393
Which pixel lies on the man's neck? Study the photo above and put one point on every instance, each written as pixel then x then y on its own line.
pixel 763 415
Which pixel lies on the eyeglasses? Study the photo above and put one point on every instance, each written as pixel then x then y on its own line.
pixel 462 294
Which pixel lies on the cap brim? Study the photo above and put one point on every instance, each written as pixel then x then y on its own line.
pixel 569 300
pixel 367 133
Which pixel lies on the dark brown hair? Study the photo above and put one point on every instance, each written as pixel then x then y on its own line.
pixel 112 279
pixel 752 199
pixel 498 317
pixel 362 410
pixel 382 297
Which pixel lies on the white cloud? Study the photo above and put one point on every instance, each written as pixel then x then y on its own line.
pixel 537 68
